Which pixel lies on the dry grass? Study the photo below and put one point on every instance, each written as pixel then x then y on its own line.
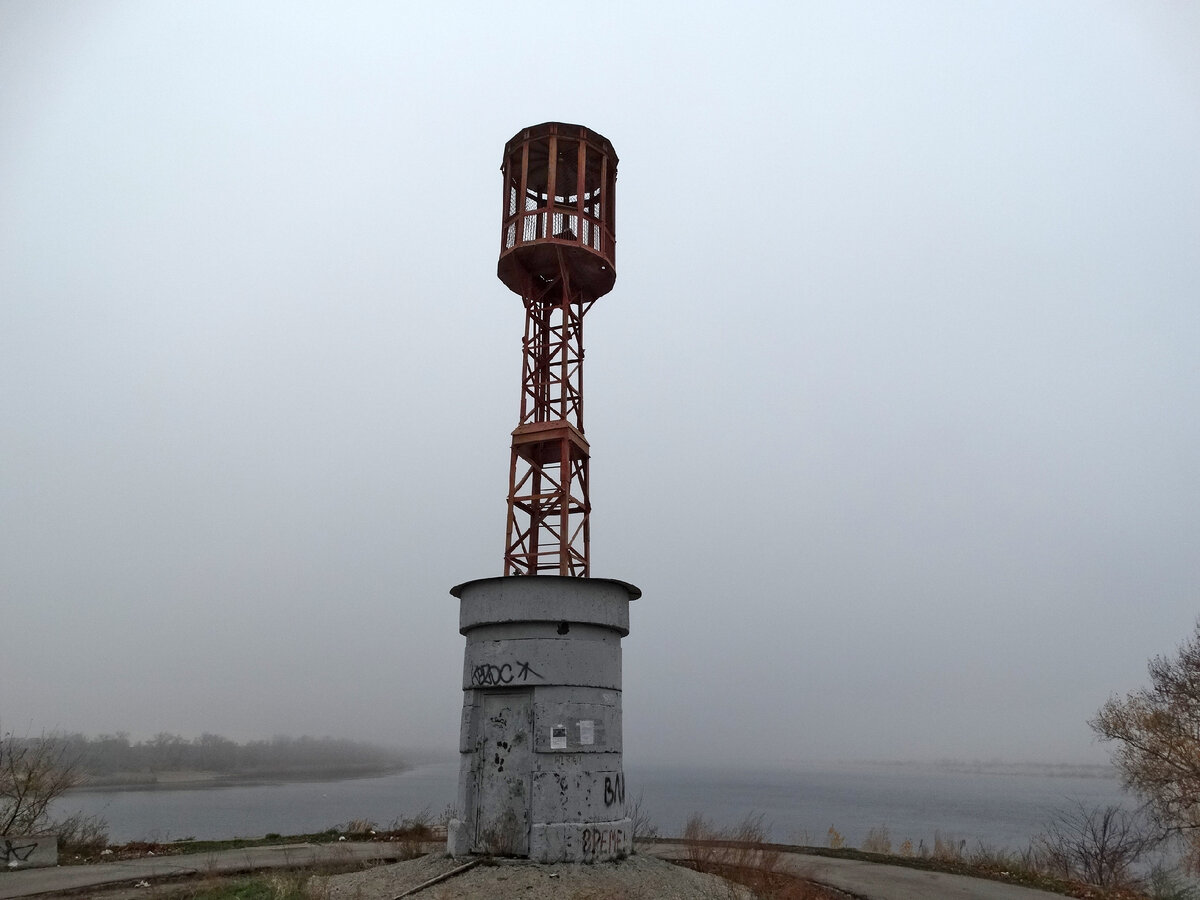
pixel 743 855
pixel 878 840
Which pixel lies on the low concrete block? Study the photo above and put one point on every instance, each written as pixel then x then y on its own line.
pixel 581 841
pixel 458 838
pixel 30 851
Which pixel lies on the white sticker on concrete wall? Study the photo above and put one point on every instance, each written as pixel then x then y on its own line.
pixel 558 737
pixel 587 731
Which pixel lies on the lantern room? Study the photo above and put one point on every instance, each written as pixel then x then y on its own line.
pixel 559 192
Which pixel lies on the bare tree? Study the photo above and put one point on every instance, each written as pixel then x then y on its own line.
pixel 1157 734
pixel 34 772
pixel 1099 845
pixel 643 830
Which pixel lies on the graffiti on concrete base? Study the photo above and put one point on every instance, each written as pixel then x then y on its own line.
pixel 603 841
pixel 487 675
pixel 11 854
pixel 614 789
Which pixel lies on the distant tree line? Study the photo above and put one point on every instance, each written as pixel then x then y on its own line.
pixel 115 754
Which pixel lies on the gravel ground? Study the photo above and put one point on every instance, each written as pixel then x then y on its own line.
pixel 635 878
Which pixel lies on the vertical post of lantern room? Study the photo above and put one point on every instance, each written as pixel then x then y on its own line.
pixel 540 751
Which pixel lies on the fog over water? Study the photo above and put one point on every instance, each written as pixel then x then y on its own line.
pixel 893 408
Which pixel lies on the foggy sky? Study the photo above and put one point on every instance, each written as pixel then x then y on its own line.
pixel 894 408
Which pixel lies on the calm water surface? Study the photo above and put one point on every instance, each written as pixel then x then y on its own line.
pixel 799 805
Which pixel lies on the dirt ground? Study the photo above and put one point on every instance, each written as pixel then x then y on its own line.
pixel 635 878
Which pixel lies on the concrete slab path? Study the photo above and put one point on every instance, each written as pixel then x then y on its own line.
pixel 880 881
pixel 31 882
pixel 866 880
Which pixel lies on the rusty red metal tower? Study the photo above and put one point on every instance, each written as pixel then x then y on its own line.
pixel 557 250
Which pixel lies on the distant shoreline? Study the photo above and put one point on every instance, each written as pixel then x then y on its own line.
pixel 998 767
pixel 191 780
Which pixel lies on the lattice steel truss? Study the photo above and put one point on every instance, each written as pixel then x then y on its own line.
pixel 548 506
pixel 557 252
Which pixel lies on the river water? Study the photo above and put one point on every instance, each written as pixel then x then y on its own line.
pixel 799 805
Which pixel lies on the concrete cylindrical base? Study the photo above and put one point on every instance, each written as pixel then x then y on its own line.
pixel 540 768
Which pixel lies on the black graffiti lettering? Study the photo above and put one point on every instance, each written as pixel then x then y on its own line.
pixel 603 841
pixel 491 675
pixel 12 853
pixel 524 672
pixel 614 789
pixel 488 675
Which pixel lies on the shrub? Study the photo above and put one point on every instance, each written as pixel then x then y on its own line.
pixel 947 849
pixel 34 772
pixel 742 854
pixel 697 832
pixel 1098 845
pixel 640 825
pixel 80 835
pixel 879 841
pixel 359 827
pixel 1166 885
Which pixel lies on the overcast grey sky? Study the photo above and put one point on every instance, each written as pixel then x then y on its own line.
pixel 894 408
